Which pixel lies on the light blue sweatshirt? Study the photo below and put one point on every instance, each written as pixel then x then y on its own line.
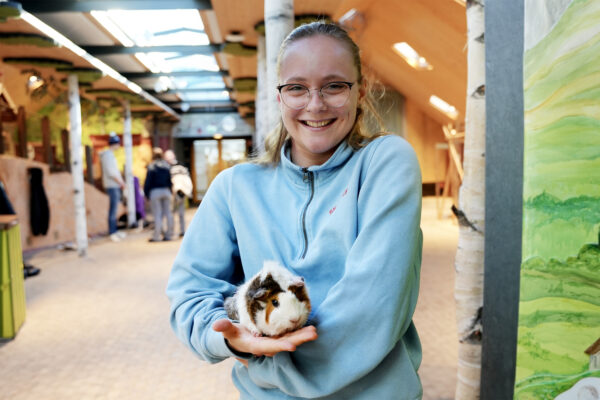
pixel 351 228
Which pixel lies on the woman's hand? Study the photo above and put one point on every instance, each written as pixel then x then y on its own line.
pixel 242 340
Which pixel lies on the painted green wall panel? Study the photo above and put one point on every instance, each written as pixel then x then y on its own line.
pixel 559 312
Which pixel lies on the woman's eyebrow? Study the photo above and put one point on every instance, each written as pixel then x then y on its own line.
pixel 295 79
pixel 328 78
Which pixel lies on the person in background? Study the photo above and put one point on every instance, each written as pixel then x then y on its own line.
pixel 113 184
pixel 334 202
pixel 182 188
pixel 140 204
pixel 157 189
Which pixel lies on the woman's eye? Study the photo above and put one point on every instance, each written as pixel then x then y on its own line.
pixel 295 88
pixel 275 303
pixel 334 87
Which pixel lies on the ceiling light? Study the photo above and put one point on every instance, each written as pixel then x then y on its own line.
pixel 184 107
pixel 34 82
pixel 352 20
pixel 444 107
pixel 235 37
pixel 411 56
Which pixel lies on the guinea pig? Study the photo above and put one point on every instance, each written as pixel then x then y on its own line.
pixel 271 303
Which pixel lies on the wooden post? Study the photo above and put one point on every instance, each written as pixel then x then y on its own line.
pixel 279 22
pixel 193 174
pixel 1 136
pixel 261 97
pixel 89 163
pixel 47 142
pixel 77 166
pixel 128 145
pixel 22 128
pixel 64 138
pixel 155 130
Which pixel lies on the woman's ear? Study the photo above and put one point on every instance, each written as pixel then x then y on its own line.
pixel 362 90
pixel 278 98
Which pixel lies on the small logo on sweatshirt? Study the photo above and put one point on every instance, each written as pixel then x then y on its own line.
pixel 332 210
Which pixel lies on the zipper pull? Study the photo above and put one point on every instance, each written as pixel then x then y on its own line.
pixel 306 174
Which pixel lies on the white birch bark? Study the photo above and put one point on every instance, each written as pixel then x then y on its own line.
pixel 128 146
pixel 470 252
pixel 279 22
pixel 261 96
pixel 77 166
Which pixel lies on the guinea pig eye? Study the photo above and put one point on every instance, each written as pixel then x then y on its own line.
pixel 275 303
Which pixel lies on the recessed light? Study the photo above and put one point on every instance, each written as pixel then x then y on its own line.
pixel 411 56
pixel 443 106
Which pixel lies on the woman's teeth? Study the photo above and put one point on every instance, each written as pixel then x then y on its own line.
pixel 318 124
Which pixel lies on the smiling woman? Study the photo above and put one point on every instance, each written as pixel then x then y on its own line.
pixel 333 203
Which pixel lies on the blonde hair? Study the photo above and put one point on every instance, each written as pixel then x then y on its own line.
pixel 358 136
pixel 157 153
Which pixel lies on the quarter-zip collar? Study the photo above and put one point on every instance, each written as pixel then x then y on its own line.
pixel 321 172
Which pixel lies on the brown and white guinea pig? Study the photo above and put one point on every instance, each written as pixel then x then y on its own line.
pixel 271 303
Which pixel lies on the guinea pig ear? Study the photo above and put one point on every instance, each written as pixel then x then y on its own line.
pixel 257 294
pixel 297 282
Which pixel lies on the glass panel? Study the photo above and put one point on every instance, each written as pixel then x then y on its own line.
pixel 212 157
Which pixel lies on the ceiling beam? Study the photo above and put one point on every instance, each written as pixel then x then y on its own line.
pixel 41 6
pixel 98 51
pixel 188 90
pixel 208 103
pixel 141 75
pixel 206 110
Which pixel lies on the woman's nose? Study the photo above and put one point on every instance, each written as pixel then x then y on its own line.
pixel 315 101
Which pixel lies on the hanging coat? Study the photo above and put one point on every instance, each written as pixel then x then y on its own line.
pixel 39 212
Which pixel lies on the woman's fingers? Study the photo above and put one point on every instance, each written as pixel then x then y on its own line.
pixel 224 326
pixel 303 335
pixel 244 341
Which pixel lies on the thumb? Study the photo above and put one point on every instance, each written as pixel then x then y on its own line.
pixel 224 326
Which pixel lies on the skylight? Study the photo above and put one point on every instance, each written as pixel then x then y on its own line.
pixel 166 28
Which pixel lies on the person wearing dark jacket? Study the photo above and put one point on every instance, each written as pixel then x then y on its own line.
pixel 157 189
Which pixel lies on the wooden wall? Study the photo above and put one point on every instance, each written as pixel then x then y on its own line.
pixel 424 134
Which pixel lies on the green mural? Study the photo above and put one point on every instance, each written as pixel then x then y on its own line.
pixel 559 313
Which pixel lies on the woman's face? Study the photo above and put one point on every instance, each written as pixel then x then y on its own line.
pixel 317 129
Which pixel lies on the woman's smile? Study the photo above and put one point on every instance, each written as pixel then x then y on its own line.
pixel 318 123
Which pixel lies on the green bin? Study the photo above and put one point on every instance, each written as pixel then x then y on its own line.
pixel 12 287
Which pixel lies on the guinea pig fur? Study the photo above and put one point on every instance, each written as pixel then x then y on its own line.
pixel 271 303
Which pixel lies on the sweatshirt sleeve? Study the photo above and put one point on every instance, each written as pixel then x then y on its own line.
pixel 369 310
pixel 205 266
pixel 111 167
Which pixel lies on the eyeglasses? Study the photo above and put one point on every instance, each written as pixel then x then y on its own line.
pixel 333 94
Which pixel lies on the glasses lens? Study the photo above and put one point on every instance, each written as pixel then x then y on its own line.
pixel 295 96
pixel 335 94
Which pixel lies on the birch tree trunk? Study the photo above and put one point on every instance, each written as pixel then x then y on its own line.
pixel 77 166
pixel 471 213
pixel 128 146
pixel 261 96
pixel 279 22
